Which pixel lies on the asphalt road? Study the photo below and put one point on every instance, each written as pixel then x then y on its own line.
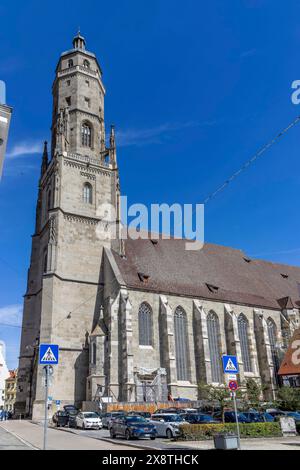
pixel 103 434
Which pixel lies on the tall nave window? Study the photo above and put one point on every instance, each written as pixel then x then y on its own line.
pixel 213 332
pixel 181 344
pixel 272 332
pixel 86 135
pixel 243 328
pixel 145 325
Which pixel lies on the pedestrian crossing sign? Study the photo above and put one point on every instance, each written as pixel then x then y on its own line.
pixel 49 353
pixel 230 364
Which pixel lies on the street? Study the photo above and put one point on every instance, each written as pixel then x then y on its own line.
pixel 25 435
pixel 160 443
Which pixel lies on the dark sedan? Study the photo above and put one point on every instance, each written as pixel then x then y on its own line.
pixel 60 418
pixel 132 427
pixel 229 417
pixel 199 418
pixel 256 417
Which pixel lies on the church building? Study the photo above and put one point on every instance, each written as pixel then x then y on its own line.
pixel 135 320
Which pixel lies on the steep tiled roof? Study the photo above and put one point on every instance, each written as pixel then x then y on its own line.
pixel 215 272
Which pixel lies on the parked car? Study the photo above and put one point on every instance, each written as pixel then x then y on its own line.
pixel 167 424
pixel 88 420
pixel 71 409
pixel 229 417
pixel 132 427
pixel 144 414
pixel 60 418
pixel 199 418
pixel 276 413
pixel 72 421
pixel 257 417
pixel 172 410
pixel 295 415
pixel 108 417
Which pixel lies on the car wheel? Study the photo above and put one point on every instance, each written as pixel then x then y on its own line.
pixel 112 434
pixel 127 435
pixel 152 438
pixel 169 434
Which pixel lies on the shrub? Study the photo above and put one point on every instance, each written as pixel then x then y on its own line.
pixel 197 432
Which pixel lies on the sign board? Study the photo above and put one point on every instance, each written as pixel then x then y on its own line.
pixel 49 400
pixel 230 364
pixel 288 426
pixel 233 385
pixel 231 377
pixel 49 354
pixel 291 362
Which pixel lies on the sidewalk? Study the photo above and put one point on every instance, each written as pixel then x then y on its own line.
pixel 33 435
pixel 274 443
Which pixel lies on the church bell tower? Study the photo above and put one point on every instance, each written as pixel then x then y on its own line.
pixel 63 298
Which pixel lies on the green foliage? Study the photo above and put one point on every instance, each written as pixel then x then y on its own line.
pixel 219 394
pixel 288 398
pixel 253 394
pixel 197 432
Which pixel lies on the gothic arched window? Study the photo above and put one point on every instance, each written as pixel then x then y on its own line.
pixel 272 332
pixel 86 63
pixel 87 193
pixel 213 332
pixel 243 329
pixel 86 135
pixel 145 325
pixel 70 63
pixel 181 344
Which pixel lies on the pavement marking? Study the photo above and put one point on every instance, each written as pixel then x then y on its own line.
pixel 20 438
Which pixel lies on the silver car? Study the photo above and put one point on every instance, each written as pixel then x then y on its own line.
pixel 167 424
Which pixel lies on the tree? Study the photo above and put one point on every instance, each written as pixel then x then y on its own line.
pixel 219 394
pixel 288 398
pixel 253 393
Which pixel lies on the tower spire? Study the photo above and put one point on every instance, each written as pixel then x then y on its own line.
pixel 112 147
pixel 44 165
pixel 79 41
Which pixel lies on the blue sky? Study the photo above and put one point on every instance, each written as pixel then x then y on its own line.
pixel 194 89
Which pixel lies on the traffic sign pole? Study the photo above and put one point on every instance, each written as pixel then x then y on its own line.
pixel 46 406
pixel 236 420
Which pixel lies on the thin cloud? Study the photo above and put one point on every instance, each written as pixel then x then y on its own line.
pixel 248 53
pixel 271 253
pixel 154 135
pixel 11 314
pixel 24 148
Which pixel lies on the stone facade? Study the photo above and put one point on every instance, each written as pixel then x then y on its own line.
pixel 78 297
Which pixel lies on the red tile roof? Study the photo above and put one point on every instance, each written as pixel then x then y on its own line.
pixel 172 269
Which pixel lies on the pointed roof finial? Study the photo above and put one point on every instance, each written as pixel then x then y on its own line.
pixel 79 41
